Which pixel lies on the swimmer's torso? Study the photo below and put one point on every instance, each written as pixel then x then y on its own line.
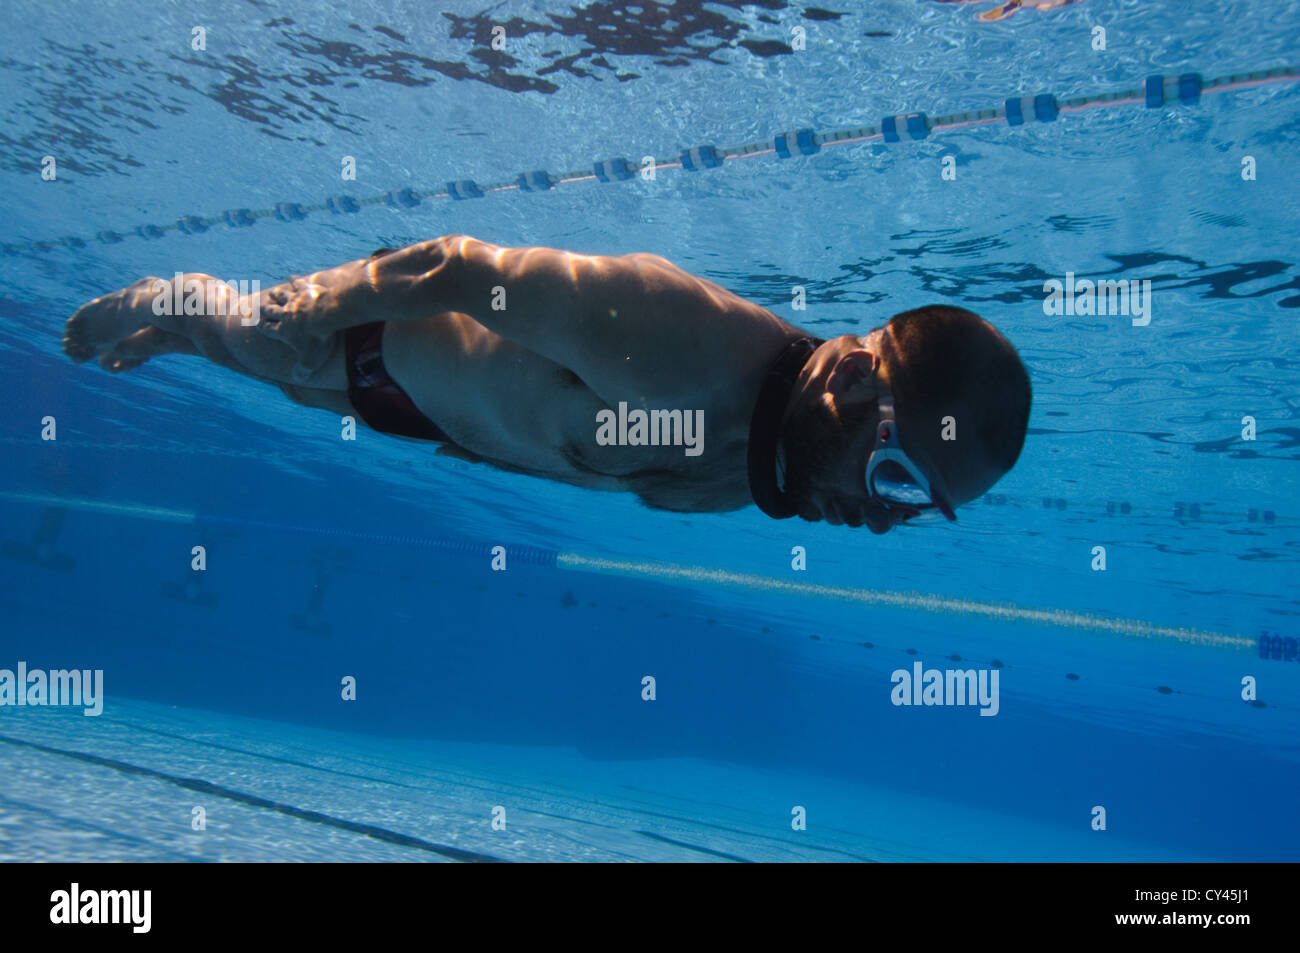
pixel 695 348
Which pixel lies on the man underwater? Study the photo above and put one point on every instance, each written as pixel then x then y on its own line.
pixel 514 356
pixel 1008 7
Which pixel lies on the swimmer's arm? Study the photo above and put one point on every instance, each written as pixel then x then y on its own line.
pixel 543 298
pixel 634 323
pixel 614 321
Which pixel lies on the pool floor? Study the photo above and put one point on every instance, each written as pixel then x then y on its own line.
pixel 124 787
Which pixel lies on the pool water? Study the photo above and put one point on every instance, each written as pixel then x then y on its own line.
pixel 1162 689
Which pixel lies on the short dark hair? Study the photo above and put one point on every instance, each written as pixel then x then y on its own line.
pixel 942 355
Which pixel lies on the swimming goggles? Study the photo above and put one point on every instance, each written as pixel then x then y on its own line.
pixel 891 478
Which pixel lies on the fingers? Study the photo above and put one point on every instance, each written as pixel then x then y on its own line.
pixel 130 352
pixel 278 312
pixel 77 350
pixel 272 310
pixel 116 361
pixel 93 327
pixel 119 365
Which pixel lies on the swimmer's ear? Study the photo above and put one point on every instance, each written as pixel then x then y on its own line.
pixel 852 373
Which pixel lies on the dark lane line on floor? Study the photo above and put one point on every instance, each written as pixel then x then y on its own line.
pixel 76 824
pixel 288 810
pixel 695 847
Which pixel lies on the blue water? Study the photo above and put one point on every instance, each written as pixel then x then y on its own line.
pixel 522 689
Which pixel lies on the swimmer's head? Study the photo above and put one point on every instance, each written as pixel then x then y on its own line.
pixel 961 408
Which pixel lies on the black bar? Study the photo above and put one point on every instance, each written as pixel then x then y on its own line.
pixel 331 902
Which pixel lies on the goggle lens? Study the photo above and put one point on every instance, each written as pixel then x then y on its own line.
pixel 893 484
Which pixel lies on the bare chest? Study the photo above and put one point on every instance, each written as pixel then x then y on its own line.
pixel 519 410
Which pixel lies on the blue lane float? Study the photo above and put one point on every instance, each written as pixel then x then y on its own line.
pixel 464 189
pixel 701 157
pixel 538 181
pixel 401 198
pixel 802 142
pixel 1185 89
pixel 239 218
pixel 343 205
pixel 913 127
pixel 613 170
pixel 289 212
pixel 1040 108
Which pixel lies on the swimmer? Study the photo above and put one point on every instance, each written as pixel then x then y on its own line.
pixel 1005 9
pixel 519 358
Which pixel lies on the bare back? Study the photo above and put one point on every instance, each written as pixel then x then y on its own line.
pixel 512 406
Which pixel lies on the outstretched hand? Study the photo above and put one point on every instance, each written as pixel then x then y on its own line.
pixel 307 310
pixel 99 324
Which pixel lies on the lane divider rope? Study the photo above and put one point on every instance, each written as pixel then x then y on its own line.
pixel 1086 622
pixel 1157 92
